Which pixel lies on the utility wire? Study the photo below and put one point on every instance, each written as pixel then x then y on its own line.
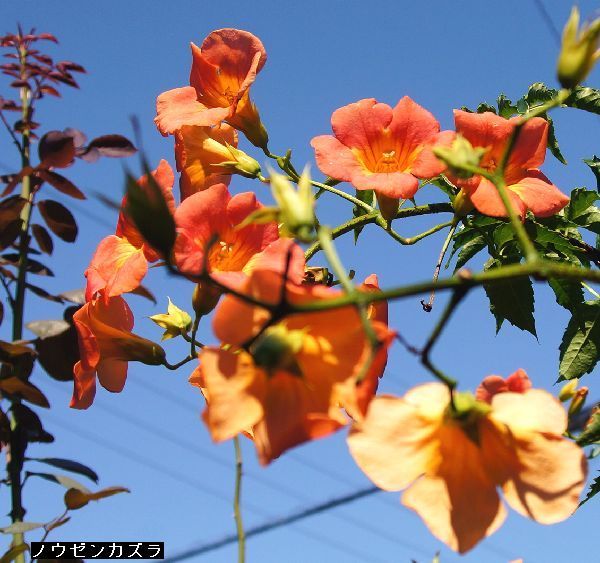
pixel 273 524
pixel 547 18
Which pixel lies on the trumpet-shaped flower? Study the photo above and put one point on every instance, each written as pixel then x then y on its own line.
pixel 198 152
pixel 223 69
pixel 211 216
pixel 451 461
pixel 121 260
pixel 376 147
pixel 528 189
pixel 106 344
pixel 283 385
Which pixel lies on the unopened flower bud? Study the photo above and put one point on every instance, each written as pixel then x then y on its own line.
pixel 462 204
pixel 460 156
pixel 175 321
pixel 240 163
pixel 578 401
pixel 568 390
pixel 296 206
pixel 205 298
pixel 579 52
pixel 276 349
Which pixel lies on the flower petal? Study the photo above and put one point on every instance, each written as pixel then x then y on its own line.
pixel 427 165
pixel 545 474
pixel 397 185
pixel 335 159
pixel 236 389
pixel 84 387
pixel 487 201
pixel 535 410
pixel 360 125
pixel 180 106
pixel 393 445
pixel 112 374
pixel 540 195
pixel 530 149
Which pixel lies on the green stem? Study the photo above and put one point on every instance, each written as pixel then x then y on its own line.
pixel 351 290
pixel 18 444
pixel 541 269
pixel 236 502
pixel 343 195
pixel 456 298
pixel 438 266
pixel 374 216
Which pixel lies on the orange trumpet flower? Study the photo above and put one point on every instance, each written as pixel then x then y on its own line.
pixel 451 461
pixel 528 189
pixel 106 344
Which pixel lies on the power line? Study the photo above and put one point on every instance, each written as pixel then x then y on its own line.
pixel 274 524
pixel 205 453
pixel 547 18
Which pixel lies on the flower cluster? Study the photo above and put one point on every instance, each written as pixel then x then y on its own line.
pixel 298 359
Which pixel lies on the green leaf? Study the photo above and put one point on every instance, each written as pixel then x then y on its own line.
pixel 568 293
pixel 368 197
pixel 68 465
pixel 506 108
pixel 580 346
pixel 552 142
pixel 512 300
pixel 483 107
pixel 581 202
pixel 21 527
pixel 469 250
pixel 539 93
pixel 591 433
pixel 594 164
pixel 592 491
pixel 446 186
pixel 584 98
pixel 149 211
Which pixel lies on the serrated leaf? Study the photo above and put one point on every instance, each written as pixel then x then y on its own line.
pixel 21 527
pixel 592 491
pixel 584 98
pixel 512 300
pixel 594 164
pixel 368 197
pixel 580 346
pixel 552 142
pixel 568 293
pixel 506 108
pixel 68 465
pixel 446 186
pixel 484 107
pixel 539 93
pixel 580 203
pixel 469 250
pixel 591 432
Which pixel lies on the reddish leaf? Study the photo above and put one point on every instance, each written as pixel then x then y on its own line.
pixel 24 390
pixel 20 84
pixel 59 219
pixel 48 37
pixel 50 90
pixel 61 183
pixel 56 149
pixel 31 423
pixel 43 293
pixel 10 209
pixel 115 146
pixel 74 498
pixel 69 66
pixel 10 233
pixel 58 353
pixel 16 180
pixel 43 238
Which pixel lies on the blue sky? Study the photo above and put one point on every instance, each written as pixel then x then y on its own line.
pixel 321 55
